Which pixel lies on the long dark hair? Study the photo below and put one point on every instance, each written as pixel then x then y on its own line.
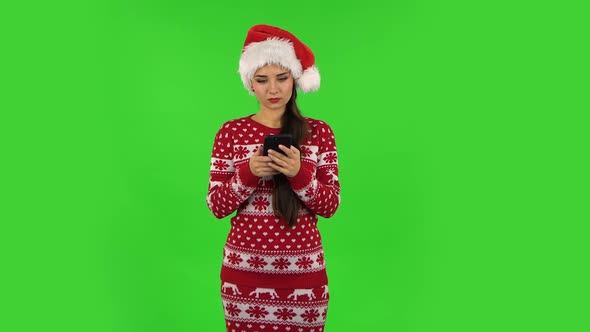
pixel 285 202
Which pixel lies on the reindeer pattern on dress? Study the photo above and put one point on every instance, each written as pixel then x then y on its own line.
pixel 270 291
pixel 231 286
pixel 273 293
pixel 300 292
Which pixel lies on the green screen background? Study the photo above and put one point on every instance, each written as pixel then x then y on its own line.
pixel 463 151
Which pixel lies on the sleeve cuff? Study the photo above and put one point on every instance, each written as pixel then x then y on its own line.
pixel 247 178
pixel 302 179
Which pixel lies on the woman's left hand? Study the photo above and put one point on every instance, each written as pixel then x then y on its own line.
pixel 287 164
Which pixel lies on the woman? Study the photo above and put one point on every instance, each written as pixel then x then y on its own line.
pixel 273 273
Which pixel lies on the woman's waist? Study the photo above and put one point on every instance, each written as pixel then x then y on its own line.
pixel 305 219
pixel 294 261
pixel 273 234
pixel 262 207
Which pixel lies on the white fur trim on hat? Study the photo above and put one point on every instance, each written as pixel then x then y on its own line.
pixel 271 51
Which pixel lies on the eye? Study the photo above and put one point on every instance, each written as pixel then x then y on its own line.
pixel 284 78
pixel 261 81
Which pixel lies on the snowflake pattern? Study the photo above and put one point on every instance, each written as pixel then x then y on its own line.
pixel 296 315
pixel 257 311
pixel 305 151
pixel 285 314
pixel 320 258
pixel 234 258
pixel 244 192
pixel 220 165
pixel 241 152
pixel 281 263
pixel 261 203
pixel 310 315
pixel 330 157
pixel 262 244
pixel 232 309
pixel 304 262
pixel 257 262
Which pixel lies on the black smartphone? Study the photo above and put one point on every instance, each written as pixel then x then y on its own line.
pixel 273 141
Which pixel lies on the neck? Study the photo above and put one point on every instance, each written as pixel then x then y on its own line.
pixel 270 118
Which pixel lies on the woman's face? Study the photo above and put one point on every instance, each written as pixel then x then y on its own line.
pixel 273 86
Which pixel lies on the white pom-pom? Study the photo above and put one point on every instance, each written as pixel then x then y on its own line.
pixel 309 80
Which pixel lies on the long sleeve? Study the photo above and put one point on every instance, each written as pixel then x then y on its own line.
pixel 230 183
pixel 317 183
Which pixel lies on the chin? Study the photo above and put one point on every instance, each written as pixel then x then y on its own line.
pixel 277 107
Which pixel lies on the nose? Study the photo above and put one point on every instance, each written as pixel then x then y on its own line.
pixel 274 87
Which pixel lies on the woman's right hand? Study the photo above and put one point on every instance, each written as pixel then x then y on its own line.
pixel 259 164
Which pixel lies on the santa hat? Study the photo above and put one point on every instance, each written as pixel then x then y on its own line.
pixel 266 44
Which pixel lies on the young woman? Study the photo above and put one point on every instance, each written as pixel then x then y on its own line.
pixel 273 276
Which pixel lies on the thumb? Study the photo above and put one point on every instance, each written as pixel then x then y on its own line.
pixel 259 151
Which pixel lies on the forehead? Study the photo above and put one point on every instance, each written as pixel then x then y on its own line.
pixel 271 69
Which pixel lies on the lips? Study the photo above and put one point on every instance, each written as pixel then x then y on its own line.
pixel 274 100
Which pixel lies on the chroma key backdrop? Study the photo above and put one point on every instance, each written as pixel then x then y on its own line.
pixel 462 141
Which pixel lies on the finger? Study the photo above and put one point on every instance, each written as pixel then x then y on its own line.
pixel 267 167
pixel 258 151
pixel 273 165
pixel 295 151
pixel 268 172
pixel 278 167
pixel 275 156
pixel 284 170
pixel 288 151
pixel 262 159
pixel 265 171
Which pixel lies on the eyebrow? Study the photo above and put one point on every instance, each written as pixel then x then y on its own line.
pixel 281 74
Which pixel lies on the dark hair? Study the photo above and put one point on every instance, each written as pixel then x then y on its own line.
pixel 285 202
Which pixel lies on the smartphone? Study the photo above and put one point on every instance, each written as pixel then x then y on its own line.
pixel 273 141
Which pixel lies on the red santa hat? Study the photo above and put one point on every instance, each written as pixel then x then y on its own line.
pixel 266 44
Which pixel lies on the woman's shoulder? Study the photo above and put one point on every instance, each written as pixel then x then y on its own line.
pixel 234 123
pixel 318 126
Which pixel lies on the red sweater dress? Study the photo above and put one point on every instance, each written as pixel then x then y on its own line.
pixel 269 268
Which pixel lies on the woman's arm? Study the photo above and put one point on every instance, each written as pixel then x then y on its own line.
pixel 229 184
pixel 317 183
